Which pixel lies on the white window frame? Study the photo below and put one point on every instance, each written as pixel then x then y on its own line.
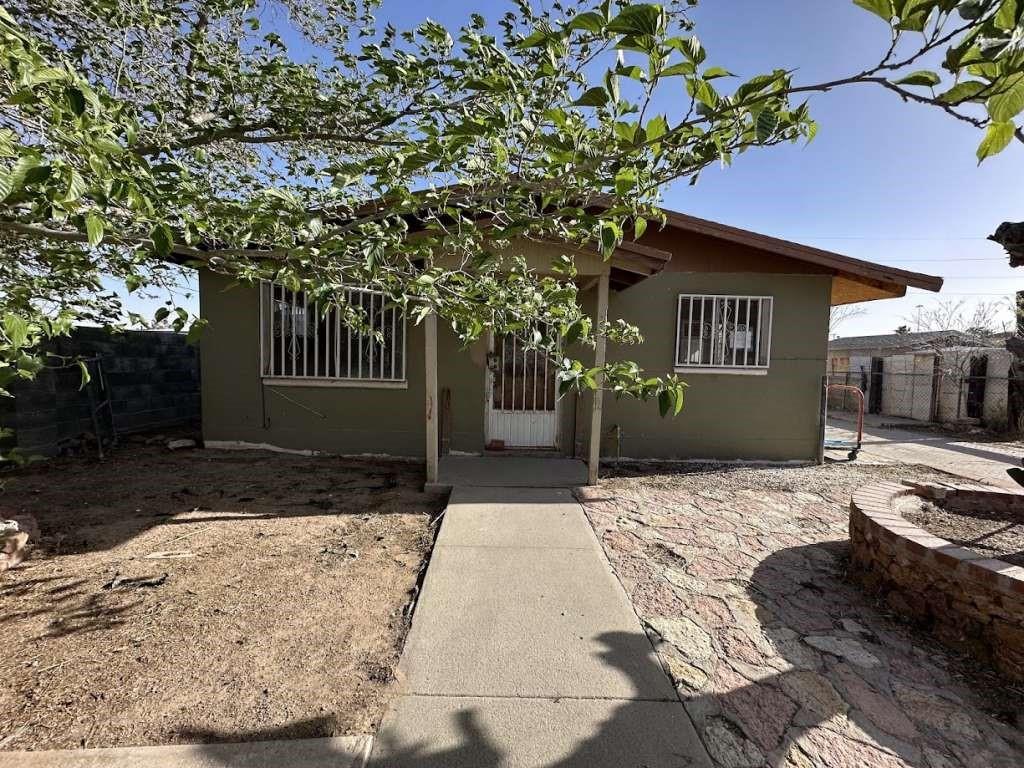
pixel 341 343
pixel 762 339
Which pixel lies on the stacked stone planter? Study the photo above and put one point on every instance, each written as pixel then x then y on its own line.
pixel 966 599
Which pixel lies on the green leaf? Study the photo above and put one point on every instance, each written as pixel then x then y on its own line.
pixel 195 331
pixel 637 20
pixel 713 72
pixel 94 228
pixel 593 97
pixel 997 137
pixel 1008 15
pixel 703 92
pixel 86 376
pixel 1008 100
pixel 682 68
pixel 76 187
pixel 656 127
pixel 639 227
pixel 767 122
pixel 16 330
pixel 161 314
pixel 963 91
pixel 881 8
pixel 921 77
pixel 589 21
pixel 162 239
pixel 611 234
pixel 14 179
pixel 759 83
pixel 625 181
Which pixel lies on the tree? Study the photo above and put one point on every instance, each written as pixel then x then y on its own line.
pixel 840 314
pixel 969 327
pixel 323 151
pixel 970 324
pixel 903 330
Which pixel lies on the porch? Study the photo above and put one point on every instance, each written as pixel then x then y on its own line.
pixel 509 472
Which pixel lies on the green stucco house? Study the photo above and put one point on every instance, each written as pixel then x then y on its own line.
pixel 742 317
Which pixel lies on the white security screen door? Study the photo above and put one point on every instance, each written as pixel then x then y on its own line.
pixel 522 409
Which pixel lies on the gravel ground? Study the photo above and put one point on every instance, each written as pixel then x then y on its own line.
pixel 739 574
pixel 207 596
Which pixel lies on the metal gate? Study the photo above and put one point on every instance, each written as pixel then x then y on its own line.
pixel 522 403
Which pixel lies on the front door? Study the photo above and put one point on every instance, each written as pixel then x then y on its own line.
pixel 522 408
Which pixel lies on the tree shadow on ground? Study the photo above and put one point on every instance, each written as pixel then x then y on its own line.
pixel 848 685
pixel 88 505
pixel 633 733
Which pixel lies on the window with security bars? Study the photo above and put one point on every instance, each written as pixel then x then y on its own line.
pixel 723 331
pixel 303 340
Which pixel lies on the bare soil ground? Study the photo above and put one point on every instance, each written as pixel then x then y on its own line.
pixel 997 533
pixel 207 596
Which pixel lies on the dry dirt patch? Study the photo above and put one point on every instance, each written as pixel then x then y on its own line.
pixel 207 595
pixel 998 532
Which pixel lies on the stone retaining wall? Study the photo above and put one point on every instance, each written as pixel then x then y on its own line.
pixel 967 600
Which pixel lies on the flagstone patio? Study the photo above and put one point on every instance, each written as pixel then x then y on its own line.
pixel 740 576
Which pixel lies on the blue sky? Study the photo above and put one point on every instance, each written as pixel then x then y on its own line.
pixel 885 181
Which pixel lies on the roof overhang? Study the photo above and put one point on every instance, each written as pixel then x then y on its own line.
pixel 632 262
pixel 854 280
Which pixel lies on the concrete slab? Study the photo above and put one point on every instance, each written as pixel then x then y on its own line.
pixel 438 732
pixel 511 472
pixel 982 462
pixel 537 517
pixel 525 651
pixel 527 622
pixel 338 752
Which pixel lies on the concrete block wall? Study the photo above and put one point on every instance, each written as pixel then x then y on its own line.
pixel 152 378
pixel 907 383
pixel 952 398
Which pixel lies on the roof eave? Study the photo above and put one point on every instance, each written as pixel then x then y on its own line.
pixel 857 268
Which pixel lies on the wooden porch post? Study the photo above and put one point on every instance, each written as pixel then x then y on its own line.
pixel 430 356
pixel 594 454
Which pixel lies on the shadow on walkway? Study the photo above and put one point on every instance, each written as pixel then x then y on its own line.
pixel 629 734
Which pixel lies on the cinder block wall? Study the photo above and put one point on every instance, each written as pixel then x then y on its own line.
pixel 152 378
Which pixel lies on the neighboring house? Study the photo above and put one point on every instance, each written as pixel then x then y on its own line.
pixel 849 353
pixel 742 317
pixel 943 376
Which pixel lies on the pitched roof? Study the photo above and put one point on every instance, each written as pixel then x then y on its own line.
pixel 871 280
pixel 895 340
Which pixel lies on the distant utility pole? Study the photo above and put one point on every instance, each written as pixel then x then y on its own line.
pixel 919 308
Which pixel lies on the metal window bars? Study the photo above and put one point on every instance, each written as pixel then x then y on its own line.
pixel 303 340
pixel 723 331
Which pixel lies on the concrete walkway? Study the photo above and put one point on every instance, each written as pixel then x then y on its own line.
pixel 982 462
pixel 525 651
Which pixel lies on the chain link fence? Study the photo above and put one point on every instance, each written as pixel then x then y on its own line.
pixel 939 396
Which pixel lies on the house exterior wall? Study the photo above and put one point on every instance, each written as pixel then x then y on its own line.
pixel 239 407
pixel 727 416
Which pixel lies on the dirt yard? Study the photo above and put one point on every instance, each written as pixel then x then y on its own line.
pixel 207 596
pixel 996 533
pixel 740 577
